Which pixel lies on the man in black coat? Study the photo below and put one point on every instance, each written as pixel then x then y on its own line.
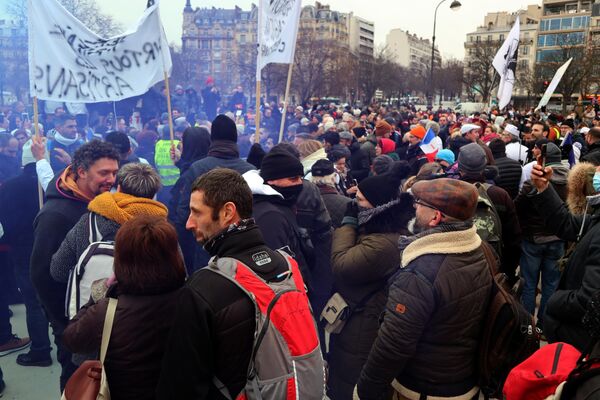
pixel 213 329
pixel 592 138
pixel 92 172
pixel 17 218
pixel 581 277
pixel 509 170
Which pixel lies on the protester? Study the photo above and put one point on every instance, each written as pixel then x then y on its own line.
pixel 16 218
pixel 92 172
pixel 472 165
pixel 566 307
pixel 214 324
pixel 324 176
pixel 592 139
pixel 509 170
pixel 148 272
pixel 9 163
pixel 364 256
pixel 428 340
pixel 137 184
pixel 541 249
pixel 64 142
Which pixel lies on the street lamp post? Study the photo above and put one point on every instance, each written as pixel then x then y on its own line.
pixel 454 6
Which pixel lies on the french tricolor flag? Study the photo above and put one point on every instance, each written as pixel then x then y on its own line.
pixel 427 147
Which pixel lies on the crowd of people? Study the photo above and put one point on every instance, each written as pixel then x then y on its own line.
pixel 378 212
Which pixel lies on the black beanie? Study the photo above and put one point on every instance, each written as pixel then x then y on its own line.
pixel 381 189
pixel 279 164
pixel 497 147
pixel 223 128
pixel 322 168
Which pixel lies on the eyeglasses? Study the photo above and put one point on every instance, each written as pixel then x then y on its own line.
pixel 419 202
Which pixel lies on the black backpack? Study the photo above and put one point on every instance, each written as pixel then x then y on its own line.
pixel 487 220
pixel 509 333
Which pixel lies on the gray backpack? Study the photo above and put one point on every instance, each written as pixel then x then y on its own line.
pixel 286 361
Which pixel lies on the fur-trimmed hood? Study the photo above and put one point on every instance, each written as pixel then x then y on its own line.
pixel 579 186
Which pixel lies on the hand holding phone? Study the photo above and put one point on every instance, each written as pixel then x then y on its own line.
pixel 541 160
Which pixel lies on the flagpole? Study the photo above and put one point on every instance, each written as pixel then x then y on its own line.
pixel 285 100
pixel 169 108
pixel 257 114
pixel 36 137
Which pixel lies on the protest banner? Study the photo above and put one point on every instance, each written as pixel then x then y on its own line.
pixel 70 63
pixel 505 62
pixel 277 33
pixel 553 84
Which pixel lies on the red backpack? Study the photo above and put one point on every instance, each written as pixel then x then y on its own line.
pixel 539 376
pixel 286 361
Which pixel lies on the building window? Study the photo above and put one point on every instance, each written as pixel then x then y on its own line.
pixel 471 38
pixel 566 23
pixel 571 8
pixel 243 39
pixel 501 37
pixel 478 39
pixel 217 66
pixel 525 50
pixel 489 38
pixel 541 40
pixel 554 24
pixel 205 44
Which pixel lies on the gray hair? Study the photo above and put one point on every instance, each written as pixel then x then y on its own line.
pixel 139 180
pixel 328 180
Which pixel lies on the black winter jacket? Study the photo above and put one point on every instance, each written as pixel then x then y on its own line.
pixel 581 278
pixel 433 319
pixel 359 162
pixel 213 327
pixel 509 174
pixel 593 154
pixel 60 213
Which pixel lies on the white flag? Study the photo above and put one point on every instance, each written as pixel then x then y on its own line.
pixel 505 63
pixel 68 62
pixel 277 32
pixel 552 86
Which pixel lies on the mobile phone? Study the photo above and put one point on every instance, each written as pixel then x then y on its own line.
pixel 542 158
pixel 25 116
pixel 354 182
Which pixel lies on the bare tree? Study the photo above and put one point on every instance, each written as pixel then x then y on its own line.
pixel 86 11
pixel 581 74
pixel 449 78
pixel 479 76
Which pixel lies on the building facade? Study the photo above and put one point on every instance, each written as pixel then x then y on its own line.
pixel 14 73
pixel 221 43
pixel 496 27
pixel 411 51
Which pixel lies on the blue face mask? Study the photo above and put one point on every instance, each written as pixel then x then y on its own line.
pixel 596 182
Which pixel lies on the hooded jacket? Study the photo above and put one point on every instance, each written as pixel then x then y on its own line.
pixel 63 208
pixel 112 210
pixel 581 277
pixel 580 186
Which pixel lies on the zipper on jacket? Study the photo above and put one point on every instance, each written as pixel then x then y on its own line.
pixel 556 357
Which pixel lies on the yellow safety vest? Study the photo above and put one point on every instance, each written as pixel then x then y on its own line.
pixel 167 170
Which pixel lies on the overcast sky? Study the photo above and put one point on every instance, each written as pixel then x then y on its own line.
pixel 412 15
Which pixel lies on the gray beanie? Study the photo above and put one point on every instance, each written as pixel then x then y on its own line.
pixel 472 159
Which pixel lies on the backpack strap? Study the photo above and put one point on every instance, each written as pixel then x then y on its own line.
pixel 107 330
pixel 95 235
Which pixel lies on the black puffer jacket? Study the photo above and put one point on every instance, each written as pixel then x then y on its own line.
pixel 362 261
pixel 509 174
pixel 434 315
pixel 581 277
pixel 213 327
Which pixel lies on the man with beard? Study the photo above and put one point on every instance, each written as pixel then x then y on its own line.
pixel 436 303
pixel 92 172
pixel 213 330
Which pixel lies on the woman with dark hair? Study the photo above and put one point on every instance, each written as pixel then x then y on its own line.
pixel 149 271
pixel 195 143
